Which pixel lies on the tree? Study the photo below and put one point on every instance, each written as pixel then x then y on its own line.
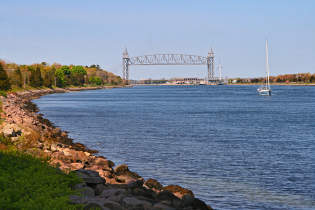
pixel 95 66
pixel 67 75
pixel 4 80
pixel 47 79
pixel 60 78
pixel 52 74
pixel 77 75
pixel 36 79
pixel 63 76
pixel 16 78
pixel 95 80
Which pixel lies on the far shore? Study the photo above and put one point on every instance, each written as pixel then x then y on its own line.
pixel 283 84
pixel 235 84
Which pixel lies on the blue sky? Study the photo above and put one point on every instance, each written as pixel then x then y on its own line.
pixel 95 32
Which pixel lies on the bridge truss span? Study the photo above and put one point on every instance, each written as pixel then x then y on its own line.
pixel 168 59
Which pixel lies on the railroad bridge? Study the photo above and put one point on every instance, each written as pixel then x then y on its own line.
pixel 169 59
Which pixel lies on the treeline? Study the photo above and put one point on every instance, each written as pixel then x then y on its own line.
pixel 56 75
pixel 285 78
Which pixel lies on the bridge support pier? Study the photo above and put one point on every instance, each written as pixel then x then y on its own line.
pixel 210 66
pixel 125 63
pixel 126 69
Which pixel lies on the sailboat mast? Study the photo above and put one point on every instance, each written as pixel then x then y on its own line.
pixel 220 71
pixel 267 65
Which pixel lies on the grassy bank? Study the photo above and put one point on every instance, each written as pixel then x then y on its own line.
pixel 30 183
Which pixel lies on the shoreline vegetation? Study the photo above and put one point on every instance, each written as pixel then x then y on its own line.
pixel 256 84
pixel 280 84
pixel 14 77
pixel 56 172
pixel 284 79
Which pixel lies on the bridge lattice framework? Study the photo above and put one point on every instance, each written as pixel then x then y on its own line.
pixel 169 59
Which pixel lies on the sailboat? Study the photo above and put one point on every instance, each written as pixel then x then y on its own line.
pixel 265 89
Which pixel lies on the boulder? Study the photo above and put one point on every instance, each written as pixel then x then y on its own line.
pixel 79 156
pixel 121 169
pixel 200 205
pixel 113 205
pixel 124 170
pixel 114 194
pixel 76 199
pixel 56 163
pixel 124 175
pixel 60 156
pixel 135 183
pixel 94 168
pixel 112 191
pixel 146 193
pixel 178 190
pixel 87 192
pixel 103 162
pixel 66 151
pixel 79 186
pixel 90 177
pixel 187 200
pixel 162 206
pixel 11 130
pixel 92 206
pixel 106 174
pixel 65 167
pixel 134 203
pixel 153 184
pixel 76 166
pixel 99 188
pixel 166 196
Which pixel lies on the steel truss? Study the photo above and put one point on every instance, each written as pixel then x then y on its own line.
pixel 168 59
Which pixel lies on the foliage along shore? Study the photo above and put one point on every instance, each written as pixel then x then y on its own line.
pixel 279 84
pixel 20 77
pixel 284 79
pixel 104 186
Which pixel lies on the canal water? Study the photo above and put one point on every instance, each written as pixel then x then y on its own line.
pixel 232 148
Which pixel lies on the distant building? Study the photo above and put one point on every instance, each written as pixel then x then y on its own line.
pixel 188 81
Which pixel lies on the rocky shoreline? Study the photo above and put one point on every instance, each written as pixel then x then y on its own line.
pixel 105 186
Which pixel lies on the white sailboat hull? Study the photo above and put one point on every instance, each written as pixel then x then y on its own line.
pixel 264 91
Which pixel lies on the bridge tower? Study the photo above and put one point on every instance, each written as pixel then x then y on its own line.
pixel 125 63
pixel 210 65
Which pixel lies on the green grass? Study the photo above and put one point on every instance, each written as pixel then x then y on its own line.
pixel 30 183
